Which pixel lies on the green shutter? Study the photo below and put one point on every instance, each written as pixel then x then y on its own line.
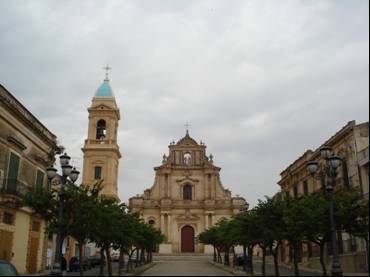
pixel 13 171
pixel 40 179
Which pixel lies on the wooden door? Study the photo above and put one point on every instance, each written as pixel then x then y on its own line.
pixel 187 240
pixel 6 241
pixel 32 255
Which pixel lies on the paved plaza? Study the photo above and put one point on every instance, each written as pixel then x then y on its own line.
pixel 184 266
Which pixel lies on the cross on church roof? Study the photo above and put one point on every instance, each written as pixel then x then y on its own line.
pixel 107 68
pixel 187 125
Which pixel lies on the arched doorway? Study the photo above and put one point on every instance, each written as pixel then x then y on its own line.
pixel 187 239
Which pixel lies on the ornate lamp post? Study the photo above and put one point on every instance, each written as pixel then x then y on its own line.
pixel 329 173
pixel 69 174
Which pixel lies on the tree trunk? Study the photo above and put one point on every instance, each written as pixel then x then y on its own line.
pixel 263 261
pixel 250 254
pixel 80 265
pixel 219 258
pixel 102 261
pixel 214 254
pixel 244 258
pixel 109 262
pixel 234 256
pixel 147 256
pixel 143 260
pixel 129 260
pixel 367 253
pixel 227 257
pixel 295 259
pixel 276 259
pixel 121 263
pixel 322 259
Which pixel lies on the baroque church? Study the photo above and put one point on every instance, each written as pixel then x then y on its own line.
pixel 187 198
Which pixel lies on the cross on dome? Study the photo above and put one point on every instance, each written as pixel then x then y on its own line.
pixel 107 68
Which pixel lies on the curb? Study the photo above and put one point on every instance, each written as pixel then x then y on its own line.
pixel 229 269
pixel 141 270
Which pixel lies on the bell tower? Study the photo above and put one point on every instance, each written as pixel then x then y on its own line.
pixel 101 151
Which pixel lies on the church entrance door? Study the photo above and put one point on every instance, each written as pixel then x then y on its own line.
pixel 187 239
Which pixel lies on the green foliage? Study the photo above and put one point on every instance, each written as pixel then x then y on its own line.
pixel 88 216
pixel 305 219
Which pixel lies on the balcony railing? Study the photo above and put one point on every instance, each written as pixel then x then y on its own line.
pixel 13 187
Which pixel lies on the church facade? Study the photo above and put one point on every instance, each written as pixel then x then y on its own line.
pixel 187 197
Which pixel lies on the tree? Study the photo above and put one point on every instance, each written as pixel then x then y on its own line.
pixel 210 237
pixel 106 228
pixel 83 204
pixel 313 211
pixel 295 226
pixel 78 210
pixel 247 235
pixel 271 228
pixel 353 211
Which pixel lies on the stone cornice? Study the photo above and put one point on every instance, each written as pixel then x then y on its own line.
pixel 19 111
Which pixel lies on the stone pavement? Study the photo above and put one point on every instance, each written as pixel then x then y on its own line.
pixel 184 266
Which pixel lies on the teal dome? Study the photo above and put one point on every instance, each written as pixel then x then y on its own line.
pixel 104 90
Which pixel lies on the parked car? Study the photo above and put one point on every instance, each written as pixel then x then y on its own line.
pixel 95 261
pixel 115 258
pixel 74 264
pixel 7 269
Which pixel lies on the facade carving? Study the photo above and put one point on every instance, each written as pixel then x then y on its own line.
pixel 187 197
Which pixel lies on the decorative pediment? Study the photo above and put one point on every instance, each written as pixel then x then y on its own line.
pixel 187 178
pixel 101 107
pixel 187 141
pixel 188 217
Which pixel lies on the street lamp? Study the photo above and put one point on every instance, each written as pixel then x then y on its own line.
pixel 329 173
pixel 69 174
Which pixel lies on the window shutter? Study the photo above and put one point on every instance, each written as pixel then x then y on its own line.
pixel 13 171
pixel 40 179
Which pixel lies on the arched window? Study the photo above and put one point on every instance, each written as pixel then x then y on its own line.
pixel 101 129
pixel 151 222
pixel 188 192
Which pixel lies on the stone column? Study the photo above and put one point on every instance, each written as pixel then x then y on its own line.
pixel 169 229
pixel 214 186
pixel 210 187
pixel 168 195
pixel 163 230
pixel 206 225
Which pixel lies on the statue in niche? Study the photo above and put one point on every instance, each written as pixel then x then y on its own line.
pixel 187 159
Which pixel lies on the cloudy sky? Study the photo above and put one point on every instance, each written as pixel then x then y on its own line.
pixel 259 81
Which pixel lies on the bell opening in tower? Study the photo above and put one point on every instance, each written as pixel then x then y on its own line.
pixel 101 130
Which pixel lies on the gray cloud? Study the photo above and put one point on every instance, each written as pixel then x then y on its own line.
pixel 260 81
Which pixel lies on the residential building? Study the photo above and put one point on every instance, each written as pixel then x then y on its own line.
pixel 26 149
pixel 351 143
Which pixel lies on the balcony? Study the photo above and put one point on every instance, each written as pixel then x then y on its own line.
pixel 363 157
pixel 13 187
